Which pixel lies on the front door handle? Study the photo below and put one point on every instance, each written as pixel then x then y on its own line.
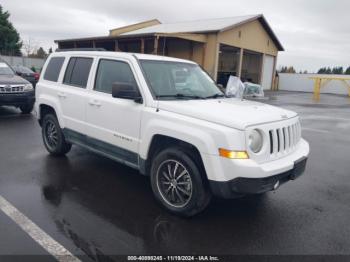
pixel 61 95
pixel 95 103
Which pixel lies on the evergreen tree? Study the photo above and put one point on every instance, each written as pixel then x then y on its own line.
pixel 322 70
pixel 328 71
pixel 338 70
pixel 41 53
pixel 10 43
pixel 347 71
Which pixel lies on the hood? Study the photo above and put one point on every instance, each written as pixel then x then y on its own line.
pixel 230 112
pixel 12 80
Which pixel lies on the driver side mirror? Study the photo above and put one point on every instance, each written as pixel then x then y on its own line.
pixel 126 90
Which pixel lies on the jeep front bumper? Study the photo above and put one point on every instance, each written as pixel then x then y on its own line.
pixel 231 177
pixel 245 186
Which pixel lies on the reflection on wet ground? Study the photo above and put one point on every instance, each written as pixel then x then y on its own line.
pixel 99 208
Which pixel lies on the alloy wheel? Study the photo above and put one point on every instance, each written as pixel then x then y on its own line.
pixel 51 135
pixel 174 183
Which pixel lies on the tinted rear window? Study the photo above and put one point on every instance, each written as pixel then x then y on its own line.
pixel 78 71
pixel 53 69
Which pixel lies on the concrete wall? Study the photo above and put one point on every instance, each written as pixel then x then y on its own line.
pixel 24 61
pixel 301 82
pixel 251 36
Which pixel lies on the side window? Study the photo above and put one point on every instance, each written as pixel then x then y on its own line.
pixel 111 71
pixel 77 72
pixel 53 69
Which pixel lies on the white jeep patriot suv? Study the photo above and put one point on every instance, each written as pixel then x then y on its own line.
pixel 167 118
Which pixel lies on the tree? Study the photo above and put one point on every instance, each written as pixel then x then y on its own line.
pixel 285 69
pixel 10 42
pixel 322 70
pixel 30 47
pixel 338 70
pixel 41 53
pixel 328 71
pixel 347 71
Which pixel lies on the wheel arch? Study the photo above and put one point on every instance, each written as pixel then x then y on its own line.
pixel 47 106
pixel 160 142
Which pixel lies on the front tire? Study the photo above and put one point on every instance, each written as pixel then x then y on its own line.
pixel 26 109
pixel 53 137
pixel 178 184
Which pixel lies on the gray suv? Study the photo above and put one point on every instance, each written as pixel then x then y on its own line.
pixel 14 90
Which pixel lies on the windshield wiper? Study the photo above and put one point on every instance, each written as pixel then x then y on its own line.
pixel 180 96
pixel 215 96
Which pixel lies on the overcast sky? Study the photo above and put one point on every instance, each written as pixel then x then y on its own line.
pixel 315 33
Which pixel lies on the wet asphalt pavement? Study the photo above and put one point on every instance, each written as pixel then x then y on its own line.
pixel 98 208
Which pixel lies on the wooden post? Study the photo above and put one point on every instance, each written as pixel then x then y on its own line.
pixel 240 63
pixel 274 84
pixel 191 50
pixel 155 49
pixel 142 46
pixel 93 44
pixel 116 46
pixel 262 70
pixel 317 88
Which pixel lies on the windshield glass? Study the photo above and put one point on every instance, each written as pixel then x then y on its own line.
pixel 23 70
pixel 176 80
pixel 5 69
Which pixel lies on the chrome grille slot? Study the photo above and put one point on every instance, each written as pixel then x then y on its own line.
pixel 284 139
pixel 271 142
pixel 278 140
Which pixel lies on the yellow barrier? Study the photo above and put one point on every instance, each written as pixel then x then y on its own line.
pixel 321 81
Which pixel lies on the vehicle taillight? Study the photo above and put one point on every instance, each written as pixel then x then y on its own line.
pixel 36 76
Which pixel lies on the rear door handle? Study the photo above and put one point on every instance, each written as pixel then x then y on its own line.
pixel 94 103
pixel 61 95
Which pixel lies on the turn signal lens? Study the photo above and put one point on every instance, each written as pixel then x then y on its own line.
pixel 233 154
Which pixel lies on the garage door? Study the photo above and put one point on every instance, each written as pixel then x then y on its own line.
pixel 268 71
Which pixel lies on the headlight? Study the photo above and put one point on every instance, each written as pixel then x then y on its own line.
pixel 28 87
pixel 255 141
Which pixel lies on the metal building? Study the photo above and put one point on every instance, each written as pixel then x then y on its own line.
pixel 243 46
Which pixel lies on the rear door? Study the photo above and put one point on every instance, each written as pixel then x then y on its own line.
pixel 72 92
pixel 113 124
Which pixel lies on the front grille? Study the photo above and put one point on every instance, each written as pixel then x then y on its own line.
pixel 11 89
pixel 284 139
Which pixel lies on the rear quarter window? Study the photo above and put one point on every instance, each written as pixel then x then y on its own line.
pixel 53 69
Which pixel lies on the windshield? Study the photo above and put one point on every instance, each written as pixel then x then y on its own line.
pixel 23 70
pixel 176 80
pixel 5 69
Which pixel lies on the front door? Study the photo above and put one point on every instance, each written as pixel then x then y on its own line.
pixel 113 123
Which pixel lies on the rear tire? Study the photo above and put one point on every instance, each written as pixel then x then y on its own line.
pixel 178 184
pixel 53 136
pixel 26 109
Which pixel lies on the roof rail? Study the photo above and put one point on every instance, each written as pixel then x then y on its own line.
pixel 80 49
